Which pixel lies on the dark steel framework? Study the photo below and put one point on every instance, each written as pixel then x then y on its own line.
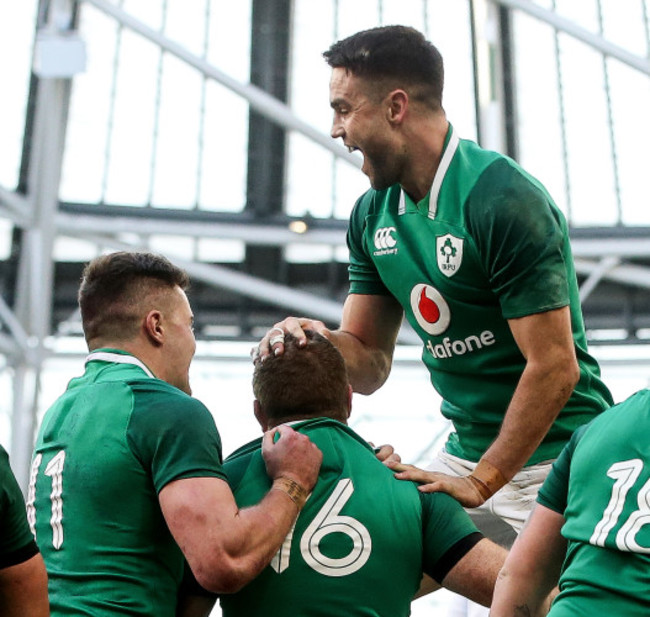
pixel 617 308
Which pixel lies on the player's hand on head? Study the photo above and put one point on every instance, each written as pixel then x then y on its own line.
pixel 291 455
pixel 460 488
pixel 273 341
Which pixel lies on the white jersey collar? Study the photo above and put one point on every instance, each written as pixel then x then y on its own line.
pixel 118 358
pixel 445 161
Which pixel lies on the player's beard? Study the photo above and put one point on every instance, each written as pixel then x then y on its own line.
pixel 381 168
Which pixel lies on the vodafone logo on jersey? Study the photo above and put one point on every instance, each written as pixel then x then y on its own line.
pixel 430 309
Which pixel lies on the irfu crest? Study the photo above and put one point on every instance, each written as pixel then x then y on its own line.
pixel 449 252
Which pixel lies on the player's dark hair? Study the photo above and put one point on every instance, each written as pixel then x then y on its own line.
pixel 302 382
pixel 116 288
pixel 392 56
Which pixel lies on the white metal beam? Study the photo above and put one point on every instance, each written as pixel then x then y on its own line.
pixel 21 338
pixel 300 302
pixel 249 233
pixel 615 246
pixel 258 99
pixel 628 274
pixel 595 276
pixel 552 18
pixel 16 208
pixel 272 235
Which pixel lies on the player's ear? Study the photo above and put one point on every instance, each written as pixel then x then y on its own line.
pixel 153 327
pixel 397 105
pixel 260 416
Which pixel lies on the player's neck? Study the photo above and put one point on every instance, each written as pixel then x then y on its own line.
pixel 273 423
pixel 425 152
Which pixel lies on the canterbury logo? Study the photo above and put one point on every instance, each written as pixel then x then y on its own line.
pixel 384 238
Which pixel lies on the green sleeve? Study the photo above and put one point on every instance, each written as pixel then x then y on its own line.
pixel 553 493
pixel 520 236
pixel 16 540
pixel 446 527
pixel 173 435
pixel 363 275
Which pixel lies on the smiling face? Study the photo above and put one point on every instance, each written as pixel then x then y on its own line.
pixel 362 119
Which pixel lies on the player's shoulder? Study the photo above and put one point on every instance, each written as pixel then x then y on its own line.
pixel 501 170
pixel 624 416
pixel 330 433
pixel 472 154
pixel 438 502
pixel 157 391
pixel 144 384
pixel 489 167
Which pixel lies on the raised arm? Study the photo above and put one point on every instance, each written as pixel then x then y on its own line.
pixel 366 338
pixel 226 547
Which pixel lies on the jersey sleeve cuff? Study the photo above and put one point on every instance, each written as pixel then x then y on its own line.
pixel 18 556
pixel 443 566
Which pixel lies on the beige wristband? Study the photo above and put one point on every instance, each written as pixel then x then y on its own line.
pixel 487 479
pixel 292 489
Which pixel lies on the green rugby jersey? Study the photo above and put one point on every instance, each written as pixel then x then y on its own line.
pixel 361 542
pixel 104 451
pixel 601 484
pixel 487 244
pixel 16 541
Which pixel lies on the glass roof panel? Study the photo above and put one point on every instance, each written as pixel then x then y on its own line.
pixel 16 40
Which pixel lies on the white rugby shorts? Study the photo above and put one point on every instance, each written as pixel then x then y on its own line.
pixel 502 516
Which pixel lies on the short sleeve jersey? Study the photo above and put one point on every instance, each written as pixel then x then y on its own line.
pixel 361 542
pixel 601 484
pixel 486 245
pixel 16 541
pixel 104 451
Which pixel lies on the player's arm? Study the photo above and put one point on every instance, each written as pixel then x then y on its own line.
pixel 455 554
pixel 225 546
pixel 527 581
pixel 427 586
pixel 551 373
pixel 366 338
pixel 193 600
pixel 23 589
pixel 475 573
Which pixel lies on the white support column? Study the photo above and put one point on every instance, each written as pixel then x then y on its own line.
pixel 55 62
pixel 25 389
pixel 489 80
